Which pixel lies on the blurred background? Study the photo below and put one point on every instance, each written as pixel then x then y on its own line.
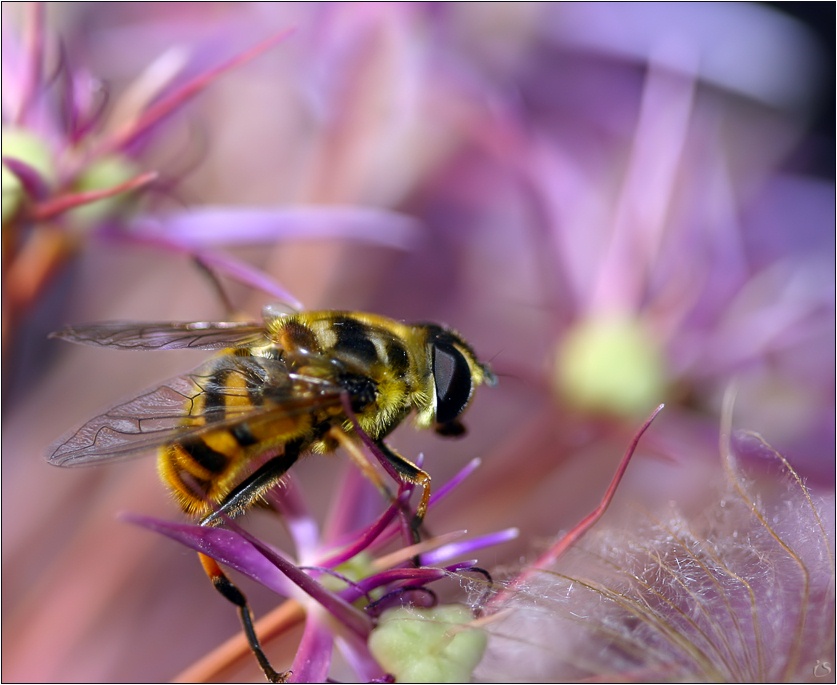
pixel 618 205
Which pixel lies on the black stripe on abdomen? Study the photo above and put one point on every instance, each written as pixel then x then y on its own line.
pixel 204 456
pixel 213 399
pixel 243 435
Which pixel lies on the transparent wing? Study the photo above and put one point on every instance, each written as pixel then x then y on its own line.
pixel 132 335
pixel 221 394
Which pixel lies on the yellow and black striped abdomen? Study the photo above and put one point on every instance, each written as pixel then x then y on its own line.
pixel 245 409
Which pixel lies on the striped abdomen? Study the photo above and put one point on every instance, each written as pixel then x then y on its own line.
pixel 257 409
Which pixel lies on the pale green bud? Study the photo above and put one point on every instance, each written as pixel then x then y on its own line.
pixel 103 173
pixel 610 364
pixel 434 645
pixel 23 145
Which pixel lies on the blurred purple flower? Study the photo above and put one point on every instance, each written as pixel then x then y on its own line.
pixel 650 217
pixel 335 571
pixel 74 167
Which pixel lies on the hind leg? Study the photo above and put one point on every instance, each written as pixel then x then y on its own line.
pixel 235 503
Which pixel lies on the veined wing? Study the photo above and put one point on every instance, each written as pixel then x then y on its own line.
pixel 223 393
pixel 134 335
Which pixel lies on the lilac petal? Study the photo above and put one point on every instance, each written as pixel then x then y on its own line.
pixel 34 51
pixel 751 447
pixel 243 552
pixel 416 576
pixel 170 103
pixel 345 613
pixel 210 226
pixel 360 661
pixel 445 489
pixel 749 451
pixel 405 489
pixel 248 275
pixel 744 48
pixel 356 502
pixel 228 265
pixel 224 546
pixel 85 102
pixel 467 565
pixel 69 110
pixel 12 73
pixel 301 524
pixel 367 537
pixel 33 182
pixel 454 549
pixel 313 656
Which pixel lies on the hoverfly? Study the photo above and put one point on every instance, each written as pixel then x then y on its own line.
pixel 294 384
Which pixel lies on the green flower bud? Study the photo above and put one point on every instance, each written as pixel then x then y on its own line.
pixel 103 173
pixel 612 365
pixel 23 145
pixel 428 645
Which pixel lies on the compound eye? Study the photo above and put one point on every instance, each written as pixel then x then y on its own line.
pixel 453 382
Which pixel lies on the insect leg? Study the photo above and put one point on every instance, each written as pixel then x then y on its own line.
pixel 410 473
pixel 361 460
pixel 228 589
pixel 254 486
pixel 406 470
pixel 234 503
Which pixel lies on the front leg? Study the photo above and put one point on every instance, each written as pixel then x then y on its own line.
pixel 402 468
pixel 409 473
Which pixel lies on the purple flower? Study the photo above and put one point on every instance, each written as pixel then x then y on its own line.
pixel 73 161
pixel 76 166
pixel 335 576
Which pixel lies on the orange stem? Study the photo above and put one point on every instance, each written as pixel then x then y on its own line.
pixel 233 651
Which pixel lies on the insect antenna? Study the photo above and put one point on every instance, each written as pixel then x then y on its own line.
pixel 204 267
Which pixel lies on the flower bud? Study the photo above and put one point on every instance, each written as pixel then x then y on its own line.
pixel 610 364
pixel 428 645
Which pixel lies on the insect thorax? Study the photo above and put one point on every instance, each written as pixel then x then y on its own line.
pixel 380 363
